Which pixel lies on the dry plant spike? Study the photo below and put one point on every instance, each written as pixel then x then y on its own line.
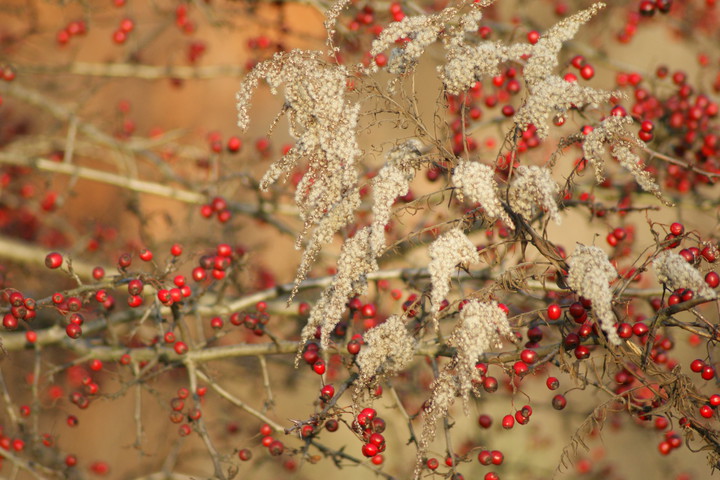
pixel 533 189
pixel 392 181
pixel 590 275
pixel 481 327
pixel 447 252
pixel 353 266
pixel 613 133
pixel 388 348
pixel 675 272
pixel 477 182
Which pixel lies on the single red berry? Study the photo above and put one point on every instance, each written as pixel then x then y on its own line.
pixel 73 331
pixel 245 454
pixel 697 365
pixel 53 260
pixel 533 36
pixel 180 348
pixel 559 402
pixel 145 255
pixel 485 421
pixel 712 279
pixel 552 383
pixel 319 367
pixel 369 450
pixel 432 463
pixel 706 411
pixel 508 422
pixel 554 311
pixel 677 229
pixel 708 372
pixel 327 392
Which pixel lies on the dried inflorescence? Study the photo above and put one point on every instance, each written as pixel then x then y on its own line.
pixel 324 122
pixel 393 180
pixel 354 264
pixel 612 131
pixel 481 327
pixel 532 189
pixel 551 96
pixel 447 252
pixel 466 64
pixel 590 275
pixel 420 30
pixel 477 182
pixel 675 272
pixel 388 348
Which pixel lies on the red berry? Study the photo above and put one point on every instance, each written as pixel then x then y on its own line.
pixel 508 422
pixel 369 450
pixel 677 229
pixel 552 383
pixel 485 421
pixel 712 279
pixel 53 260
pixel 697 365
pixel 706 411
pixel 319 367
pixel 533 36
pixel 554 311
pixel 559 402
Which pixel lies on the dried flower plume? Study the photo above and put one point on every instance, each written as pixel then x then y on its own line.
pixel 590 275
pixel 446 253
pixel 476 181
pixel 481 327
pixel 533 189
pixel 675 272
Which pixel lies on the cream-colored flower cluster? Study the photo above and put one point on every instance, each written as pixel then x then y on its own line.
pixel 353 266
pixel 481 327
pixel 388 348
pixel 590 275
pixel 612 132
pixel 392 181
pixel 324 123
pixel 476 181
pixel 533 188
pixel 420 30
pixel 448 251
pixel 675 272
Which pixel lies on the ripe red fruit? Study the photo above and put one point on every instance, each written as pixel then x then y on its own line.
pixel 432 463
pixel 73 331
pixel 554 311
pixel 706 411
pixel 712 279
pixel 180 348
pixel 528 356
pixel 697 365
pixel 677 229
pixel 485 421
pixel 533 36
pixel 53 260
pixel 552 383
pixel 490 384
pixel 587 72
pixel 559 402
pixel 708 372
pixel 276 448
pixel 369 450
pixel 508 422
pixel 319 367
pixel 327 392
pixel 245 454
pixel 145 255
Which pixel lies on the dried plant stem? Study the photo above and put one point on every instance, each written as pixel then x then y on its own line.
pixel 239 403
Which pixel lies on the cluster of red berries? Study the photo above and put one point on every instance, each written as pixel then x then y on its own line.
pixel 76 28
pixel 371 427
pixel 218 206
